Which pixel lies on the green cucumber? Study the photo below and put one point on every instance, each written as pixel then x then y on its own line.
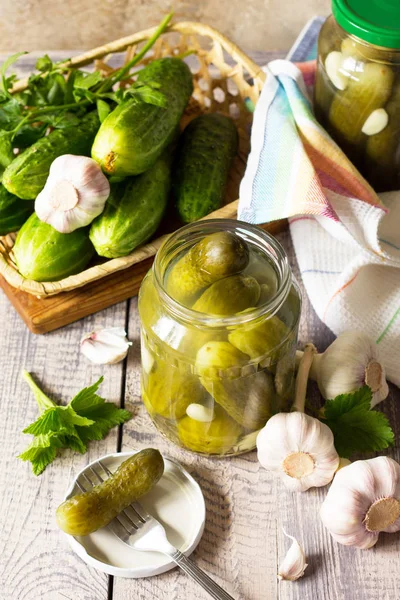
pixel 208 146
pixel 13 211
pixel 43 254
pixel 133 212
pixel 134 135
pixel 27 174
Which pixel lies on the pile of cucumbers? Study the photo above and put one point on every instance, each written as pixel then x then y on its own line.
pixel 139 146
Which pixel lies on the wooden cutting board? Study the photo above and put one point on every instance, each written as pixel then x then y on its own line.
pixel 46 314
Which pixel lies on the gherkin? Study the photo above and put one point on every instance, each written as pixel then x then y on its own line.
pixel 259 339
pixel 367 90
pixel 169 392
pixel 84 513
pixel 215 437
pixel 229 296
pixel 216 256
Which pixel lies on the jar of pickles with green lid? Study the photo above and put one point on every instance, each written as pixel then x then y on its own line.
pixel 219 317
pixel 357 90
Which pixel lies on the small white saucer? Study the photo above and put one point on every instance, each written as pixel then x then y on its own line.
pixel 176 501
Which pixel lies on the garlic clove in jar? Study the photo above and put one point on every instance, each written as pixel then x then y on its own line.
pixel 75 193
pixel 294 564
pixel 376 122
pixel 105 346
pixel 299 449
pixel 333 67
pixel 363 500
pixel 351 361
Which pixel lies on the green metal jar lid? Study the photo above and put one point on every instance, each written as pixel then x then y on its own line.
pixel 375 21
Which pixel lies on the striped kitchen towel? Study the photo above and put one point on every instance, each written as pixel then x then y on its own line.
pixel 346 238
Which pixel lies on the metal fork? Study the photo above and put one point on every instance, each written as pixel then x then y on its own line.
pixel 137 528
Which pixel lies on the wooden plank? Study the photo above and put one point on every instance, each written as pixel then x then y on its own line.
pixel 47 314
pixel 35 559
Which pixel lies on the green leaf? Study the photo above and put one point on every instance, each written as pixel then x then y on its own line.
pixel 41 452
pixel 10 61
pixel 355 427
pixel 60 119
pixel 103 109
pixel 6 82
pixel 86 81
pixel 87 417
pixel 148 94
pixel 6 149
pixel 105 416
pixel 44 63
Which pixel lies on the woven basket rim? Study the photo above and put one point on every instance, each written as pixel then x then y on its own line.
pixel 43 289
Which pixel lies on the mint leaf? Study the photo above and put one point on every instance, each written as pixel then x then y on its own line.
pixel 86 81
pixel 355 427
pixel 41 452
pixel 87 417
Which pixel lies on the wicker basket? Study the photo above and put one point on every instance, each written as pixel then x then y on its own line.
pixel 225 80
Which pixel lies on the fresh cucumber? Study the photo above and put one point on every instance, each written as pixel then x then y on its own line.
pixel 205 154
pixel 135 134
pixel 43 254
pixel 13 211
pixel 27 174
pixel 133 212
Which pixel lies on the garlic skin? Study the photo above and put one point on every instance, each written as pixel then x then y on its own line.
pixel 351 361
pixel 294 564
pixel 299 449
pixel 75 193
pixel 105 346
pixel 363 500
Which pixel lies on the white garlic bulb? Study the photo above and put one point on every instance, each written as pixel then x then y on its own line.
pixel 351 361
pixel 334 70
pixel 294 564
pixel 105 346
pixel 363 500
pixel 297 447
pixel 75 193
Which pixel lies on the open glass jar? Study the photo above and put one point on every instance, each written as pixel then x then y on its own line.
pixel 218 358
pixel 357 89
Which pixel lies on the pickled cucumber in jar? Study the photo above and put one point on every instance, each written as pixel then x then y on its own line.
pixel 212 437
pixel 367 90
pixel 169 392
pixel 229 296
pixel 217 363
pixel 216 256
pixel 248 399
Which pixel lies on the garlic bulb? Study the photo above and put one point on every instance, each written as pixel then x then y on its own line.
pixel 363 500
pixel 350 362
pixel 294 564
pixel 105 346
pixel 75 193
pixel 295 446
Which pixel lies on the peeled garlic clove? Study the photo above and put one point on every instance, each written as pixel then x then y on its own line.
pixel 376 122
pixel 294 564
pixel 201 413
pixel 333 65
pixel 363 500
pixel 105 346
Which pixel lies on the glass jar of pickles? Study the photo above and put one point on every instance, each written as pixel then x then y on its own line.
pixel 219 317
pixel 357 89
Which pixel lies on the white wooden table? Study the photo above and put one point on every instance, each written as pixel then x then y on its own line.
pixel 243 542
